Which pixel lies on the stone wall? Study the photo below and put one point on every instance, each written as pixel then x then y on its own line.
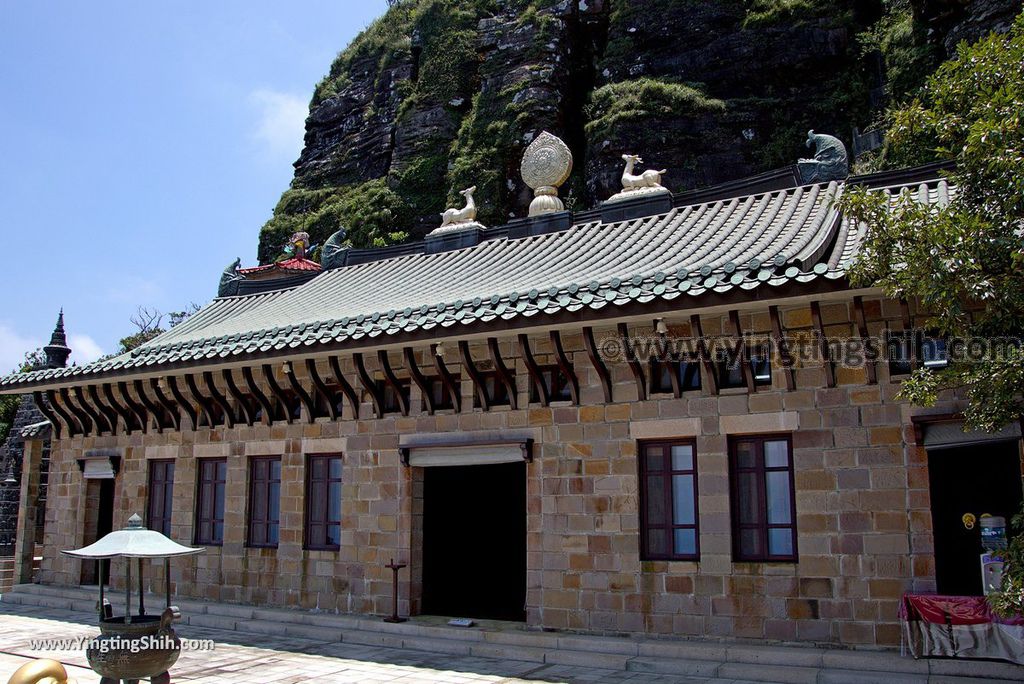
pixel 861 496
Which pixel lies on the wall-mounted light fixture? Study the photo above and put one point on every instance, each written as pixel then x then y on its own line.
pixel 660 327
pixel 439 349
pixel 286 367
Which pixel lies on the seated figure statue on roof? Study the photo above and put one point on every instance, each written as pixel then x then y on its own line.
pixel 830 160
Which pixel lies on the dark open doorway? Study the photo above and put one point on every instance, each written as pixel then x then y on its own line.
pixel 99 521
pixel 975 479
pixel 474 541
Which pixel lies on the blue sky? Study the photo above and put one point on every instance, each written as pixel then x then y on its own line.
pixel 143 146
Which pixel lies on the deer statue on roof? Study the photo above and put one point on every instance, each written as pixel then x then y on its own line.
pixel 464 215
pixel 646 184
pixel 647 179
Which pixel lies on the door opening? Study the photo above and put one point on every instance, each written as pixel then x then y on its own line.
pixel 474 541
pixel 99 522
pixel 977 479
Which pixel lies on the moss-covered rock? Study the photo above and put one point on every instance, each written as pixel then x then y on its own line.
pixel 438 95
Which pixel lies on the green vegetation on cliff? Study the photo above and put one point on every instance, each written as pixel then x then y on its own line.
pixel 645 98
pixel 438 95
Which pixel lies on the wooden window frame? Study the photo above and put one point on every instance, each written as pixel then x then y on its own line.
pixel 762 524
pixel 201 484
pixel 762 353
pixel 308 542
pixel 667 492
pixel 555 381
pixel 265 484
pixel 906 341
pixel 168 488
pixel 497 393
pixel 389 398
pixel 683 368
pixel 439 392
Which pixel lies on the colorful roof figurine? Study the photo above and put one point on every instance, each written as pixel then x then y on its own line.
pixel 292 264
pixel 298 246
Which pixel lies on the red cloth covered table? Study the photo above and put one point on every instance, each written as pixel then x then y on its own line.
pixel 959 627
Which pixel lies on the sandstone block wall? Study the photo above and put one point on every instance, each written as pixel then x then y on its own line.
pixel 862 503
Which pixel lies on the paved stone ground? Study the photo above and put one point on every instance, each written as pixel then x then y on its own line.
pixel 285 660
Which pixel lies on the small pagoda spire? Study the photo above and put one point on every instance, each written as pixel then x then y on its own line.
pixel 57 351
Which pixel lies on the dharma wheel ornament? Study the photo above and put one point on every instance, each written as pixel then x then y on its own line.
pixel 547 163
pixel 133 647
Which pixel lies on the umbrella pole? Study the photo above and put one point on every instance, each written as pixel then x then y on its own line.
pixel 128 591
pixel 167 579
pixel 142 604
pixel 99 573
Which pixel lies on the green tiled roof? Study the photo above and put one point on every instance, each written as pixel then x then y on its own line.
pixel 744 243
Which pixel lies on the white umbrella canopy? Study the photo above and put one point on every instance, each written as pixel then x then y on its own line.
pixel 134 541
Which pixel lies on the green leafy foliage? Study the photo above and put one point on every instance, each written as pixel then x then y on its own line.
pixel 445 29
pixel 791 12
pixel 9 403
pixel 1010 601
pixel 479 152
pixel 369 212
pixel 971 250
pixel 439 37
pixel 644 98
pixel 8 407
pixel 903 44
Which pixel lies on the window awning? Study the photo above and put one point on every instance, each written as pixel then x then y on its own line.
pixel 100 464
pixel 947 434
pixel 454 449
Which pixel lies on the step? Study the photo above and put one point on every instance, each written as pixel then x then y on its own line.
pixel 873 661
pixel 674 666
pixel 719 659
pixel 784 674
pixel 840 676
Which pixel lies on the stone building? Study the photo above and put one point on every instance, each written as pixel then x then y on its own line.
pixel 29 423
pixel 649 417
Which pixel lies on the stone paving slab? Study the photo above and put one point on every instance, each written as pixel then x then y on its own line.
pixel 282 659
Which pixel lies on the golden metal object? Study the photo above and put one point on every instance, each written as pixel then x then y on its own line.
pixel 455 219
pixel 969 521
pixel 637 184
pixel 547 163
pixel 43 671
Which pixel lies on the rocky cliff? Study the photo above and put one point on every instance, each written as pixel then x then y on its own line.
pixel 438 95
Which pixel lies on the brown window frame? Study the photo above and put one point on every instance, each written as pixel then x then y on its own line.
pixel 668 493
pixel 263 487
pixel 685 370
pixel 389 397
pixel 439 392
pixel 494 387
pixel 762 524
pixel 555 381
pixel 163 519
pixel 309 542
pixel 202 482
